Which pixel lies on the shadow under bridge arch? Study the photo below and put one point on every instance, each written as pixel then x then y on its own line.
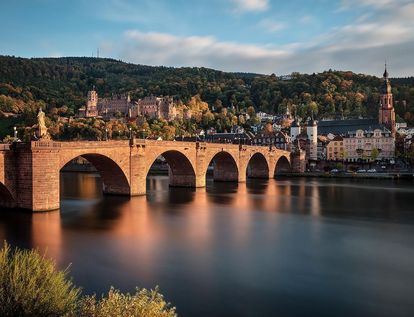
pixel 6 198
pixel 180 170
pixel 114 180
pixel 282 166
pixel 224 167
pixel 257 167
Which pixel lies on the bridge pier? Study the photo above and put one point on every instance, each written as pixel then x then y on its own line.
pixel 39 179
pixel 181 179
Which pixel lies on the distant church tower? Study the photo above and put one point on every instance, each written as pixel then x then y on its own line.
pixel 386 114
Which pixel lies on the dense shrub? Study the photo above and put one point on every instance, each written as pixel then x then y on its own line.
pixel 144 303
pixel 30 285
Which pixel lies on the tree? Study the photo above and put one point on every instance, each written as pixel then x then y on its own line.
pixel 268 129
pixel 251 112
pixel 374 154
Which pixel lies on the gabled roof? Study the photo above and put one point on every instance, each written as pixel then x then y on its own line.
pixel 342 127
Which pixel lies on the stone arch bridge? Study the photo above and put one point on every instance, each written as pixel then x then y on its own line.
pixel 30 172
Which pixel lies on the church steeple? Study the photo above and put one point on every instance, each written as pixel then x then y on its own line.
pixel 386 85
pixel 385 72
pixel 386 115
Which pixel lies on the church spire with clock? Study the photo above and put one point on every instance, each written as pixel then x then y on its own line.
pixel 386 114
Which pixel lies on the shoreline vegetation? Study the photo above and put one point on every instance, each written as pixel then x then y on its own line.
pixel 31 285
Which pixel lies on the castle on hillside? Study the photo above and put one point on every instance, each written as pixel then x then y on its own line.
pixel 121 105
pixel 155 107
pixel 116 104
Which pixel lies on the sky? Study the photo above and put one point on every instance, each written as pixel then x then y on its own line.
pixel 260 36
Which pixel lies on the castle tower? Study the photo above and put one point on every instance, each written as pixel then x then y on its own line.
pixel 92 105
pixel 294 130
pixel 386 115
pixel 312 132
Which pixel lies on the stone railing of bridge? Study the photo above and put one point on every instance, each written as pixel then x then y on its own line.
pixel 30 172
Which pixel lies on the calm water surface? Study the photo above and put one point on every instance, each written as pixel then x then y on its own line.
pixel 290 247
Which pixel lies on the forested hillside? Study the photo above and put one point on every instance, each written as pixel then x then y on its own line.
pixel 60 86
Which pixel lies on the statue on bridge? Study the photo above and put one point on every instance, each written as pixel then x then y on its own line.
pixel 42 129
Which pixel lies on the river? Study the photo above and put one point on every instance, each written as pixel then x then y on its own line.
pixel 286 247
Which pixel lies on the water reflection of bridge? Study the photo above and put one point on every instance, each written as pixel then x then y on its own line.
pixel 30 172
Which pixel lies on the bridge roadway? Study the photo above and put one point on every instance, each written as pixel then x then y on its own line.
pixel 30 172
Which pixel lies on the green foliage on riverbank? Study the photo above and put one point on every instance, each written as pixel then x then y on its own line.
pixel 30 285
pixel 144 303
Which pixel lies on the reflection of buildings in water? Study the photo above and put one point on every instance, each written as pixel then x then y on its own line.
pixel 47 234
pixel 283 193
pixel 240 199
pixel 315 205
pixel 308 197
pixel 241 212
pixel 302 196
pixel 84 185
pixel 256 188
pixel 158 190
pixel 144 234
pixel 222 193
pixel 154 182
pixel 315 200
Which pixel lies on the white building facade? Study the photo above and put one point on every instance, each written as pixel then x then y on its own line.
pixel 369 145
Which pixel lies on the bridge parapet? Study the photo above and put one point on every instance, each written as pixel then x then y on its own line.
pixel 4 147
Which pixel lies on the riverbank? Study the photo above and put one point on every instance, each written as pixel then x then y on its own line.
pixel 162 169
pixel 393 175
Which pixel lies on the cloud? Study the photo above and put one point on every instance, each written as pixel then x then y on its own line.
pixel 271 26
pixel 250 5
pixel 361 46
pixel 376 4
pixel 165 49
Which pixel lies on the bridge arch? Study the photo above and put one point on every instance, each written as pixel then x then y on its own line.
pixel 181 171
pixel 282 165
pixel 6 198
pixel 257 166
pixel 225 167
pixel 114 179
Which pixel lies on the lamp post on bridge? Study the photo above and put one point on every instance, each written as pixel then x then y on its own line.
pixel 15 133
